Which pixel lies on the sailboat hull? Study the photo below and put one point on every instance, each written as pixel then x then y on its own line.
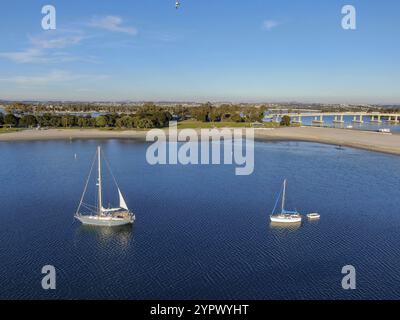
pixel 106 221
pixel 286 219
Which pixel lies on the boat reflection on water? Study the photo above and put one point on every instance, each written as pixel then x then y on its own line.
pixel 117 236
pixel 285 226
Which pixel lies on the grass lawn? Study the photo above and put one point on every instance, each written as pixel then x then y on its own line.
pixel 190 124
pixel 120 129
pixel 8 130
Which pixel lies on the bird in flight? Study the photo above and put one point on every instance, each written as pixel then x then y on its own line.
pixel 177 5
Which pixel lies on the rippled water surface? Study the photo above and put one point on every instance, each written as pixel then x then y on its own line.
pixel 201 232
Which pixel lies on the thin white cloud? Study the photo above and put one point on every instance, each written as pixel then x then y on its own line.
pixel 53 77
pixel 270 24
pixel 112 23
pixel 25 56
pixel 39 56
pixel 56 42
pixel 48 48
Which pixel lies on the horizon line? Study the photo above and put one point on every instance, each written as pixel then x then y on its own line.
pixel 212 101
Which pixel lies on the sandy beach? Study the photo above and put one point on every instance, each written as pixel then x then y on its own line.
pixel 367 140
pixel 68 134
pixel 351 138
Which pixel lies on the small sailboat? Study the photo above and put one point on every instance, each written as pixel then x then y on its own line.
pixel 285 216
pixel 98 215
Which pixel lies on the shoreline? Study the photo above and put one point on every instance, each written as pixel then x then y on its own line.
pixel 357 139
pixel 366 140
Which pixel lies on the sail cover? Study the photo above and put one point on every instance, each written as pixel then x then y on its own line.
pixel 122 203
pixel 104 210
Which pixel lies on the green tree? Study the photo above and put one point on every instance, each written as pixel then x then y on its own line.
pixel 55 121
pixel 285 122
pixel 68 121
pixel 145 124
pixel 91 121
pixel 160 118
pixel 111 118
pixel 101 121
pixel 226 117
pixel 254 114
pixel 28 121
pixel 10 120
pixel 215 115
pixel 237 118
pixel 201 114
pixel 135 121
pixel 124 122
pixel 119 123
pixel 82 122
pixel 1 119
pixel 44 120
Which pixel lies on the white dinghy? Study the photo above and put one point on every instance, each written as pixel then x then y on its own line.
pixel 313 216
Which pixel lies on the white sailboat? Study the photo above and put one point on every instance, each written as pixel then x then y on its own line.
pixel 285 216
pixel 98 215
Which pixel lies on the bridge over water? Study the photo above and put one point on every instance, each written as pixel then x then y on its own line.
pixel 338 117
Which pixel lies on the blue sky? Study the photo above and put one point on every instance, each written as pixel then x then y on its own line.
pixel 256 51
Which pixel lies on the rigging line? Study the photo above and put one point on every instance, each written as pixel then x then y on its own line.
pixel 91 208
pixel 88 205
pixel 109 169
pixel 277 200
pixel 86 185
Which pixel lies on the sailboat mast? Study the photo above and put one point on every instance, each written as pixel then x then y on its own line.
pixel 99 181
pixel 284 196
